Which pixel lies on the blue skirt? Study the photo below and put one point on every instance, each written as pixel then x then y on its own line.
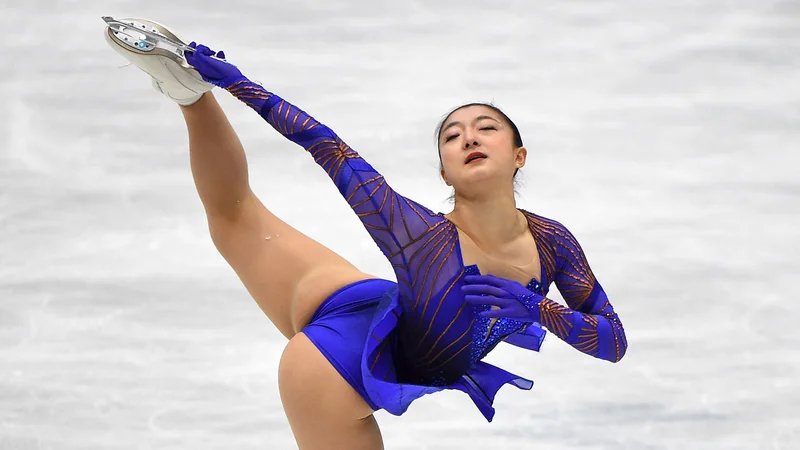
pixel 355 329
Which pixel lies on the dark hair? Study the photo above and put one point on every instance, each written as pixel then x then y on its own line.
pixel 514 130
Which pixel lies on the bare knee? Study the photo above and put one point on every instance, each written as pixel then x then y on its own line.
pixel 324 411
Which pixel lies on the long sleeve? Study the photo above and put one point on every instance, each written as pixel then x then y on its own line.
pixel 394 222
pixel 590 323
pixel 596 332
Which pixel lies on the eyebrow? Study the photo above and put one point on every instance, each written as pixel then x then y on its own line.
pixel 481 117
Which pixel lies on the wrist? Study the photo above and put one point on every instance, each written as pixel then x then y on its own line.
pixel 235 81
pixel 253 94
pixel 531 300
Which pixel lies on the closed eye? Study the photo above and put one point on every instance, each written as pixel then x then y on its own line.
pixel 488 127
pixel 451 137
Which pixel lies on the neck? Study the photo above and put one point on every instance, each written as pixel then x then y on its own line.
pixel 489 221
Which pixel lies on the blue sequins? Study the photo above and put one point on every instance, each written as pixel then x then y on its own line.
pixel 484 340
pixel 531 301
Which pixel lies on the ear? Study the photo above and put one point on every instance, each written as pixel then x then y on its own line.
pixel 520 157
pixel 444 177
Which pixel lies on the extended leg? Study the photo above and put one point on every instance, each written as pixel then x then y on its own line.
pixel 286 272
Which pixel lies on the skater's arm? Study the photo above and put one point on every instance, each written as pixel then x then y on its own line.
pixel 393 221
pixel 597 332
pixel 590 323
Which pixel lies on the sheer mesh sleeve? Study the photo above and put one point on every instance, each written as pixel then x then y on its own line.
pixel 393 221
pixel 589 323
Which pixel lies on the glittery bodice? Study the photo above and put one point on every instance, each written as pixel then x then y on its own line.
pixel 487 333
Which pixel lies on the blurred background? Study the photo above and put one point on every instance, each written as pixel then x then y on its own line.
pixel 665 135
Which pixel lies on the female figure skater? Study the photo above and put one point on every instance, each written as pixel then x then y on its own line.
pixel 358 343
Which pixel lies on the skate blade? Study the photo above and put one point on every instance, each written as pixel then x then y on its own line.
pixel 144 38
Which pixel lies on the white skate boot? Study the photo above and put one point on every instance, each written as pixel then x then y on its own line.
pixel 157 51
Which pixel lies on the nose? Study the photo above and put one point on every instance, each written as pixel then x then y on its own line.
pixel 470 142
pixel 470 138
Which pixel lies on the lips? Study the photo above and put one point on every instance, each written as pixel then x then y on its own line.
pixel 474 156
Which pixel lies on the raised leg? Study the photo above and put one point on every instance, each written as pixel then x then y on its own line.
pixel 287 273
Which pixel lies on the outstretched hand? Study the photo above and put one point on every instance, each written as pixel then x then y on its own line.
pixel 212 66
pixel 514 300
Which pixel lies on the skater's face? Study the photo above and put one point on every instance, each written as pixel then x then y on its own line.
pixel 478 143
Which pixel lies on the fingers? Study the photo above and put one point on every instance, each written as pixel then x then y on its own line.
pixel 494 314
pixel 201 49
pixel 203 52
pixel 483 289
pixel 190 56
pixel 491 280
pixel 480 299
pixel 485 300
pixel 488 300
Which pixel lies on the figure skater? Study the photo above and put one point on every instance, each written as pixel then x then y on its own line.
pixel 466 280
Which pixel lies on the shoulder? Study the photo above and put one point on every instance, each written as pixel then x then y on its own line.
pixel 552 232
pixel 546 226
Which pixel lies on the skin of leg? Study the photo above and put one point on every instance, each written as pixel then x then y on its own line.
pixel 288 274
pixel 313 394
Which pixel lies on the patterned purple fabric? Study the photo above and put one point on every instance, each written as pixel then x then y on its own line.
pixel 425 338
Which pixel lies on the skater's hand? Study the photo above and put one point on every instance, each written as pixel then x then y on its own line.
pixel 213 70
pixel 514 300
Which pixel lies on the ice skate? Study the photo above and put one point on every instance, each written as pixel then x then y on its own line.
pixel 157 51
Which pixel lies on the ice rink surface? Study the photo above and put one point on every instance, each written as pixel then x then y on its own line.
pixel 665 135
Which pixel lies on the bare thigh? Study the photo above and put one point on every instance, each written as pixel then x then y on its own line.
pixel 324 411
pixel 287 273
